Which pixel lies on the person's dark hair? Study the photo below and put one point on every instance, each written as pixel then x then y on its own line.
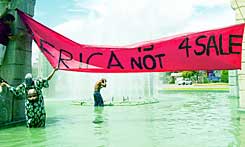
pixel 103 80
pixel 8 17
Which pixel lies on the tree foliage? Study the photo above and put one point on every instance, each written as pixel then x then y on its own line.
pixel 224 76
pixel 189 74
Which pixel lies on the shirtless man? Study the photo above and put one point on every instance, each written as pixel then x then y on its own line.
pixel 98 100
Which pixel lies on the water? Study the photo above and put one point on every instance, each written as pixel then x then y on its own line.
pixel 179 120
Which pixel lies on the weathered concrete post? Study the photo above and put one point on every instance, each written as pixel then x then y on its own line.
pixel 233 84
pixel 16 64
pixel 239 7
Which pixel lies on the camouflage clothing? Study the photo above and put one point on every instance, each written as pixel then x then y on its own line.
pixel 34 109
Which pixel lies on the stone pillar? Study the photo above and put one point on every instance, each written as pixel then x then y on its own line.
pixel 239 7
pixel 233 84
pixel 16 64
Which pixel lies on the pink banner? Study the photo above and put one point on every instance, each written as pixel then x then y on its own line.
pixel 208 50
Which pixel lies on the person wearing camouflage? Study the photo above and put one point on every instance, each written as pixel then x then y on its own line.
pixel 34 103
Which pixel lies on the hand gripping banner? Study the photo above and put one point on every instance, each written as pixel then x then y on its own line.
pixel 218 49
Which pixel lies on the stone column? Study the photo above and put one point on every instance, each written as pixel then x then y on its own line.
pixel 233 84
pixel 239 7
pixel 16 64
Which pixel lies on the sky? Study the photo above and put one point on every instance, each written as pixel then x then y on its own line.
pixel 124 22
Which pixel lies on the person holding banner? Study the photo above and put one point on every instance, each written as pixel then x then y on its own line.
pixel 98 100
pixel 34 104
pixel 6 21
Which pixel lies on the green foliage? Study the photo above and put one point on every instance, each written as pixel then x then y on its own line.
pixel 189 74
pixel 168 73
pixel 205 80
pixel 224 76
pixel 171 80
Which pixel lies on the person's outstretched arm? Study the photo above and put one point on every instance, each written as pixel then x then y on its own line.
pixel 19 90
pixel 52 74
pixel 5 84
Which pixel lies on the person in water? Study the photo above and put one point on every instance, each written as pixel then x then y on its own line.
pixel 98 100
pixel 34 104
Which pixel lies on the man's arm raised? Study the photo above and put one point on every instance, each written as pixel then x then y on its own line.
pixel 52 74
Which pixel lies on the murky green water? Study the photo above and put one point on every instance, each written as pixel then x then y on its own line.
pixel 179 120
